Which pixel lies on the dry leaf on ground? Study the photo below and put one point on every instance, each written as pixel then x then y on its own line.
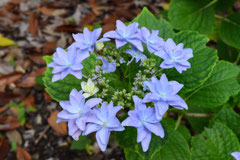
pixel 10 78
pixel 33 24
pixel 22 154
pixel 60 128
pixel 4 148
pixel 8 123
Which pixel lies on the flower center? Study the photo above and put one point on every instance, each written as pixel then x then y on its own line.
pixel 104 123
pixel 162 95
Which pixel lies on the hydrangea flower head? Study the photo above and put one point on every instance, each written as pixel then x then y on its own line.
pixel 87 40
pixel 143 118
pixel 89 88
pixel 76 111
pixel 164 93
pixel 175 56
pixel 136 54
pixel 236 155
pixel 107 67
pixel 125 34
pixel 66 62
pixel 153 41
pixel 104 121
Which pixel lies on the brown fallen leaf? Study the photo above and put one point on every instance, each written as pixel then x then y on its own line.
pixel 47 97
pixel 29 81
pixel 33 24
pixel 10 78
pixel 49 47
pixel 22 154
pixel 59 128
pixel 8 123
pixel 29 101
pixel 67 28
pixel 108 27
pixel 2 109
pixel 38 59
pixel 4 148
pixel 88 19
pixel 6 97
pixel 45 10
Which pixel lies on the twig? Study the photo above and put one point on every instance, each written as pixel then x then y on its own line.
pixel 41 135
pixel 198 115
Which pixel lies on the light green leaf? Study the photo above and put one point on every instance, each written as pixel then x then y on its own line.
pixel 202 63
pixel 60 90
pixel 218 88
pixel 192 15
pixel 5 42
pixel 147 19
pixel 215 143
pixel 230 118
pixel 230 30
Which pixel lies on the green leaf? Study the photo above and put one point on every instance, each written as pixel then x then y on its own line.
pixel 215 143
pixel 147 19
pixel 173 146
pixel 230 118
pixel 229 30
pixel 176 147
pixel 81 143
pixel 202 63
pixel 13 145
pixel 60 90
pixel 218 88
pixel 170 123
pixel 192 15
pixel 226 52
pixel 223 4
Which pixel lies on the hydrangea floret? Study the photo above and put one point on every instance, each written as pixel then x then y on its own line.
pixel 113 85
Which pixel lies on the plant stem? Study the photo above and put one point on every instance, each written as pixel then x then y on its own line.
pixel 178 121
pixel 238 58
pixel 198 115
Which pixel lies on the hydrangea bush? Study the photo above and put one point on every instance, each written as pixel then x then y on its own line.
pixel 131 79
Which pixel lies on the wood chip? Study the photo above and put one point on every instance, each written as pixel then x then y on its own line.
pixel 33 24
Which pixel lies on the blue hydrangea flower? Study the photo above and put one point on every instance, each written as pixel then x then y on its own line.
pixel 153 41
pixel 87 40
pixel 104 121
pixel 76 112
pixel 66 62
pixel 135 53
pixel 125 34
pixel 236 155
pixel 107 67
pixel 175 56
pixel 164 93
pixel 143 118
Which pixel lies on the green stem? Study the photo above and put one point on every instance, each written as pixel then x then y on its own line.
pixel 238 58
pixel 178 121
pixel 226 19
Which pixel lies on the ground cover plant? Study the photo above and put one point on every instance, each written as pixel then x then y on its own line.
pixel 131 79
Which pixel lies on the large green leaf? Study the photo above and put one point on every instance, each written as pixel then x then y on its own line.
pixel 174 146
pixel 218 88
pixel 202 63
pixel 227 116
pixel 224 4
pixel 230 30
pixel 192 15
pixel 215 143
pixel 147 19
pixel 60 90
pixel 226 52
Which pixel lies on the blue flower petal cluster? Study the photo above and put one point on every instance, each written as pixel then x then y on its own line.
pixel 103 121
pixel 76 112
pixel 106 66
pixel 86 41
pixel 143 118
pixel 125 34
pixel 164 93
pixel 153 41
pixel 236 155
pixel 136 54
pixel 66 62
pixel 175 56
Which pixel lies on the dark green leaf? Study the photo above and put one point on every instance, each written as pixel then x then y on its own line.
pixel 192 15
pixel 81 143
